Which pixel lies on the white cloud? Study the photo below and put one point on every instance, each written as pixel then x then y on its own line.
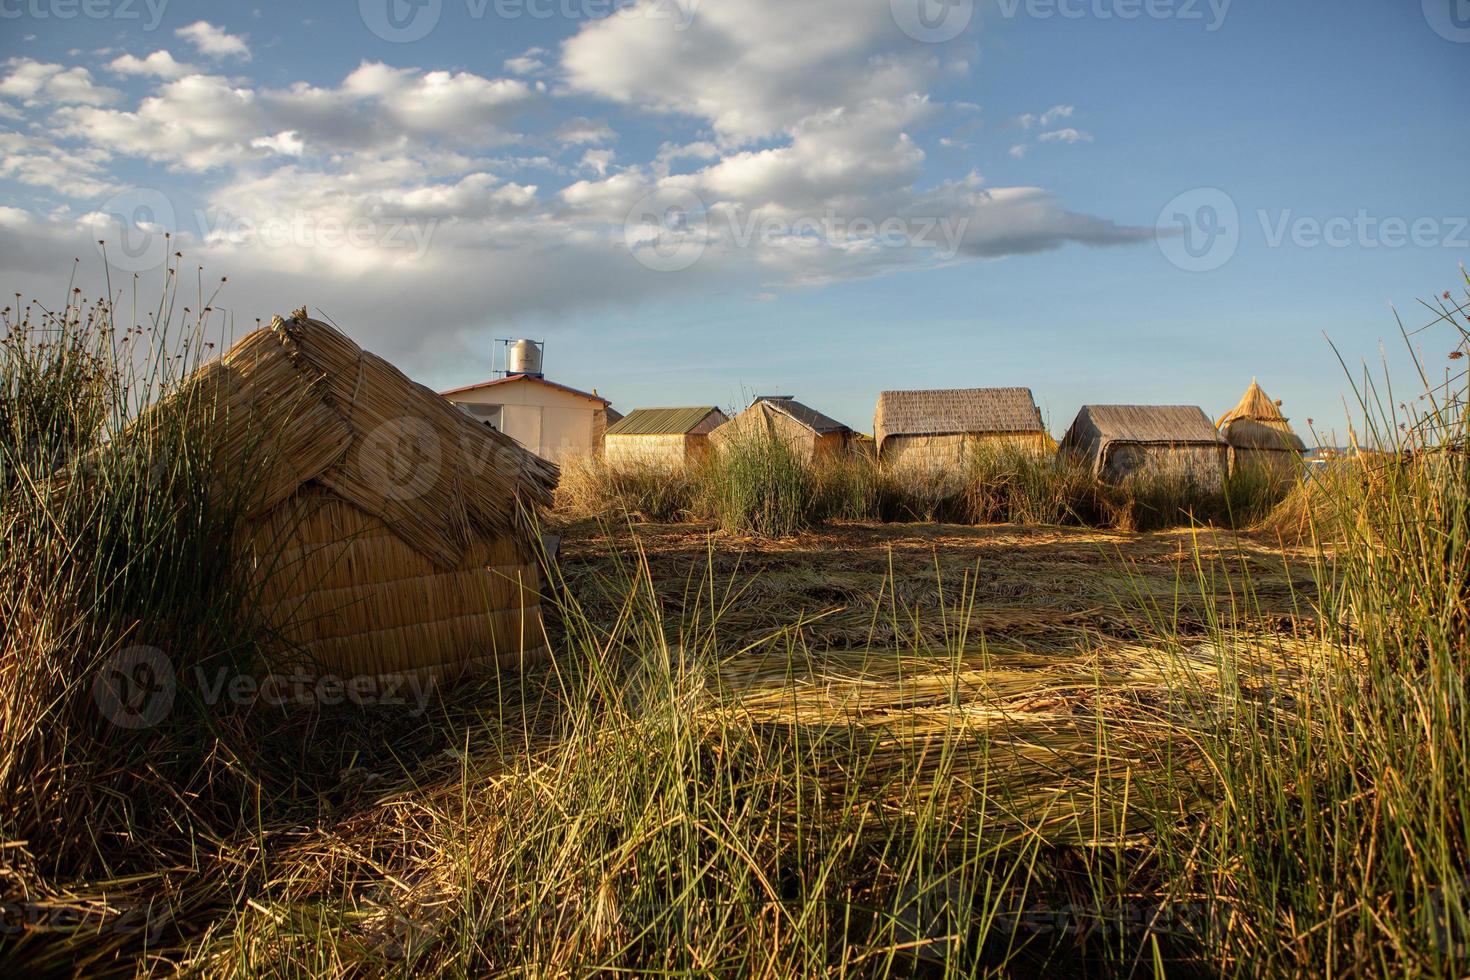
pixel 767 118
pixel 1027 119
pixel 1068 135
pixel 36 82
pixel 752 69
pixel 844 158
pixel 214 42
pixel 159 64
pixel 194 123
pixel 597 160
pixel 199 122
pixel 74 171
pixel 286 143
pixel 528 62
pixel 580 129
pixel 1054 113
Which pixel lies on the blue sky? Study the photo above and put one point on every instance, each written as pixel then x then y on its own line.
pixel 696 201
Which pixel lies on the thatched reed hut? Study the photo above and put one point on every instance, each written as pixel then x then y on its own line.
pixel 810 434
pixel 1120 441
pixel 670 438
pixel 937 429
pixel 385 529
pixel 1260 437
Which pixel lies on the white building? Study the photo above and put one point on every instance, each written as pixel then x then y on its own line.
pixel 551 420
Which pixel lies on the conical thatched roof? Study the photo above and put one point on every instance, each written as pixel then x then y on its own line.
pixel 1257 423
pixel 299 403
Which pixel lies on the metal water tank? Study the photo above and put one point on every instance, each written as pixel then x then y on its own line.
pixel 523 357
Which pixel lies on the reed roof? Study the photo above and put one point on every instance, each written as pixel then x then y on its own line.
pixel 1257 423
pixel 951 411
pixel 803 415
pixel 299 403
pixel 1179 425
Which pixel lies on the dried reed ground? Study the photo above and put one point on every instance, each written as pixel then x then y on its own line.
pixel 977 684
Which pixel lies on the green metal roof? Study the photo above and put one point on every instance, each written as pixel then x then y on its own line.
pixel 660 421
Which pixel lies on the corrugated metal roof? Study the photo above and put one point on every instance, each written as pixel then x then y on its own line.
pixel 537 379
pixel 660 421
pixel 1098 425
pixel 948 411
pixel 807 416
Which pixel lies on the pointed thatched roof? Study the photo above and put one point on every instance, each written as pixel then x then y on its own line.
pixel 299 403
pixel 1257 423
pixel 953 411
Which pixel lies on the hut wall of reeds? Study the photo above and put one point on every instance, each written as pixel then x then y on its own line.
pixel 664 438
pixel 810 434
pixel 386 531
pixel 939 429
pixel 1260 437
pixel 1119 441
